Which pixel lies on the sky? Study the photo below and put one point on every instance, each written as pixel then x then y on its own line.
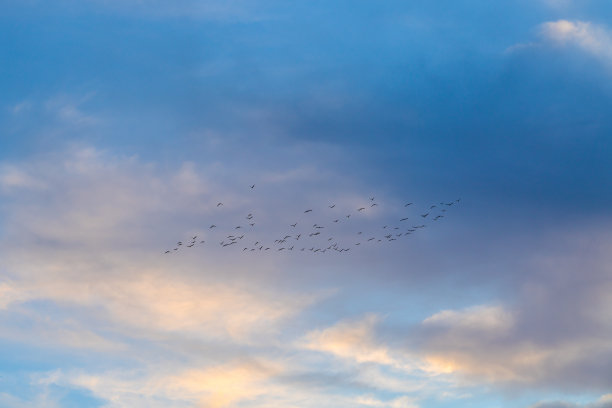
pixel 124 124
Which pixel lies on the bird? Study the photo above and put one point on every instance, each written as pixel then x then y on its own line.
pixel 424 215
pixel 212 226
pixel 307 211
pixel 293 225
pixel 219 204
pixel 252 224
pixel 361 209
pixel 404 219
pixel 253 186
pixel 348 216
pixel 332 206
pixel 167 252
pixel 371 198
pixel 406 205
pixel 373 205
pixel 336 220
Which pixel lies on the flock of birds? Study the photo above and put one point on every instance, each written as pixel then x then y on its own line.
pixel 305 236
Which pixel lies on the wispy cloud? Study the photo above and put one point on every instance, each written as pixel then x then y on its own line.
pixel 591 38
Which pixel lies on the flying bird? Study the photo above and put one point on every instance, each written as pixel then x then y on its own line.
pixel 307 211
pixel 219 204
pixel 253 186
pixel 332 206
pixel 407 204
pixel 361 209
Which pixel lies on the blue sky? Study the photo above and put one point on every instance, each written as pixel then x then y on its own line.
pixel 123 124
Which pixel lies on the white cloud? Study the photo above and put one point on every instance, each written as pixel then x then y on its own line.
pixel 491 319
pixel 593 39
pixel 351 339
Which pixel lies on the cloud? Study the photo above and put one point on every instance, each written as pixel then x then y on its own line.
pixel 479 318
pixel 593 39
pixel 74 243
pixel 351 339
pixel 12 177
pixel 214 387
pixel 605 401
pixel 537 342
pixel 84 268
